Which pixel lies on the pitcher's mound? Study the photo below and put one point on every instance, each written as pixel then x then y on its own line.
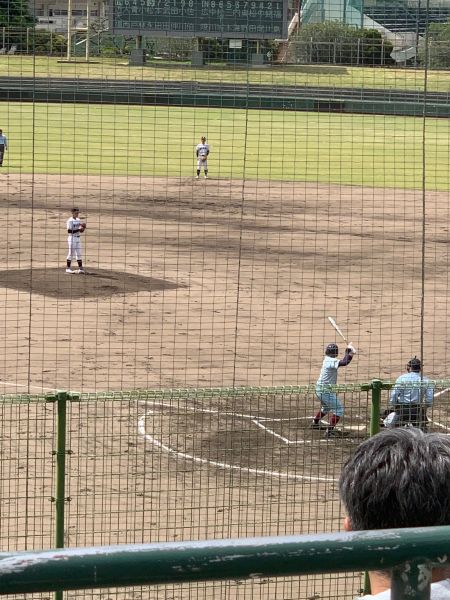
pixel 55 282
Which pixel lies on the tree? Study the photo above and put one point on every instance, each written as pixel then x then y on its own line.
pixel 438 46
pixel 46 42
pixel 15 14
pixel 336 43
pixel 116 45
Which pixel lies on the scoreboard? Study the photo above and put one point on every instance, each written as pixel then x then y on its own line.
pixel 239 19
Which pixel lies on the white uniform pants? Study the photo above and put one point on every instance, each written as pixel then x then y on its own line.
pixel 74 243
pixel 202 163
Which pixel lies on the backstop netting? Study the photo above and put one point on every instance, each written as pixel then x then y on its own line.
pixel 324 194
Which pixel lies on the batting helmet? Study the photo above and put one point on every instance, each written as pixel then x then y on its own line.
pixel 414 364
pixel 332 350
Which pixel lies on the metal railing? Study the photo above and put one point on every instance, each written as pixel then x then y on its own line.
pixel 71 421
pixel 410 554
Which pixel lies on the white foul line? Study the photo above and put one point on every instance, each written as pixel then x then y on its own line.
pixel 284 439
pixel 440 425
pixel 437 394
pixel 215 411
pixel 214 463
pixel 36 387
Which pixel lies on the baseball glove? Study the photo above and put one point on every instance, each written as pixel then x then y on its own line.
pixel 82 227
pixel 203 158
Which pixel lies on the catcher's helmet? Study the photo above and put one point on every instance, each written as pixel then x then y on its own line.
pixel 332 350
pixel 414 364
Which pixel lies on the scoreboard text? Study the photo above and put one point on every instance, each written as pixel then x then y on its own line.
pixel 254 19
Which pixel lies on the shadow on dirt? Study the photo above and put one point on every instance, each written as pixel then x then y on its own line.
pixel 95 283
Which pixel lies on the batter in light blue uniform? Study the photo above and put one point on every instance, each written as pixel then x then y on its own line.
pixel 328 376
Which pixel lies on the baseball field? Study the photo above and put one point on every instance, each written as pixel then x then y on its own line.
pixel 222 282
pixel 369 150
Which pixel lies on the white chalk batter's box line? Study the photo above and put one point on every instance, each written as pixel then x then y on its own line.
pixel 259 420
pixel 256 420
pixel 228 466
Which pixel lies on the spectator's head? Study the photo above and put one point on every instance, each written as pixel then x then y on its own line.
pixel 414 365
pixel 397 478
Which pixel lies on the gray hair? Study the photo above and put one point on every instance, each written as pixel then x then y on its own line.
pixel 398 478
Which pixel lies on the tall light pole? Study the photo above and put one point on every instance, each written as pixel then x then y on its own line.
pixel 69 29
pixel 418 33
pixel 88 22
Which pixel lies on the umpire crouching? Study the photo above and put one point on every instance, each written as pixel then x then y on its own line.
pixel 410 398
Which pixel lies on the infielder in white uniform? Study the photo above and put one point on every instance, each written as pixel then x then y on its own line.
pixel 202 153
pixel 75 228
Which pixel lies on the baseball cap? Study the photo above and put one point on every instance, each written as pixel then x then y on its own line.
pixel 414 364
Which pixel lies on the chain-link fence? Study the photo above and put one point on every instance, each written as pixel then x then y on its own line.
pixel 178 465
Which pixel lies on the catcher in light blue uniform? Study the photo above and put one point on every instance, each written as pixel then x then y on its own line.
pixel 328 376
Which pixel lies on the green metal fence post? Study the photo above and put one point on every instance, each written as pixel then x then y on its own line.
pixel 61 403
pixel 377 386
pixel 374 428
pixel 60 498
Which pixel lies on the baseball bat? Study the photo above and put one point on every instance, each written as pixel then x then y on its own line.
pixel 335 325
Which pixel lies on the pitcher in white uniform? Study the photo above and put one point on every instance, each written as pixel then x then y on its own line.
pixel 75 228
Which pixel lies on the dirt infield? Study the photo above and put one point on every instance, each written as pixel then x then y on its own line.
pixel 216 282
pixel 204 283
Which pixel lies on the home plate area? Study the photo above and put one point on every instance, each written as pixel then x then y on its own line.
pixel 276 445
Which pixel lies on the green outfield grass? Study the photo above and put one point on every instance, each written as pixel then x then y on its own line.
pixel 322 75
pixel 368 150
